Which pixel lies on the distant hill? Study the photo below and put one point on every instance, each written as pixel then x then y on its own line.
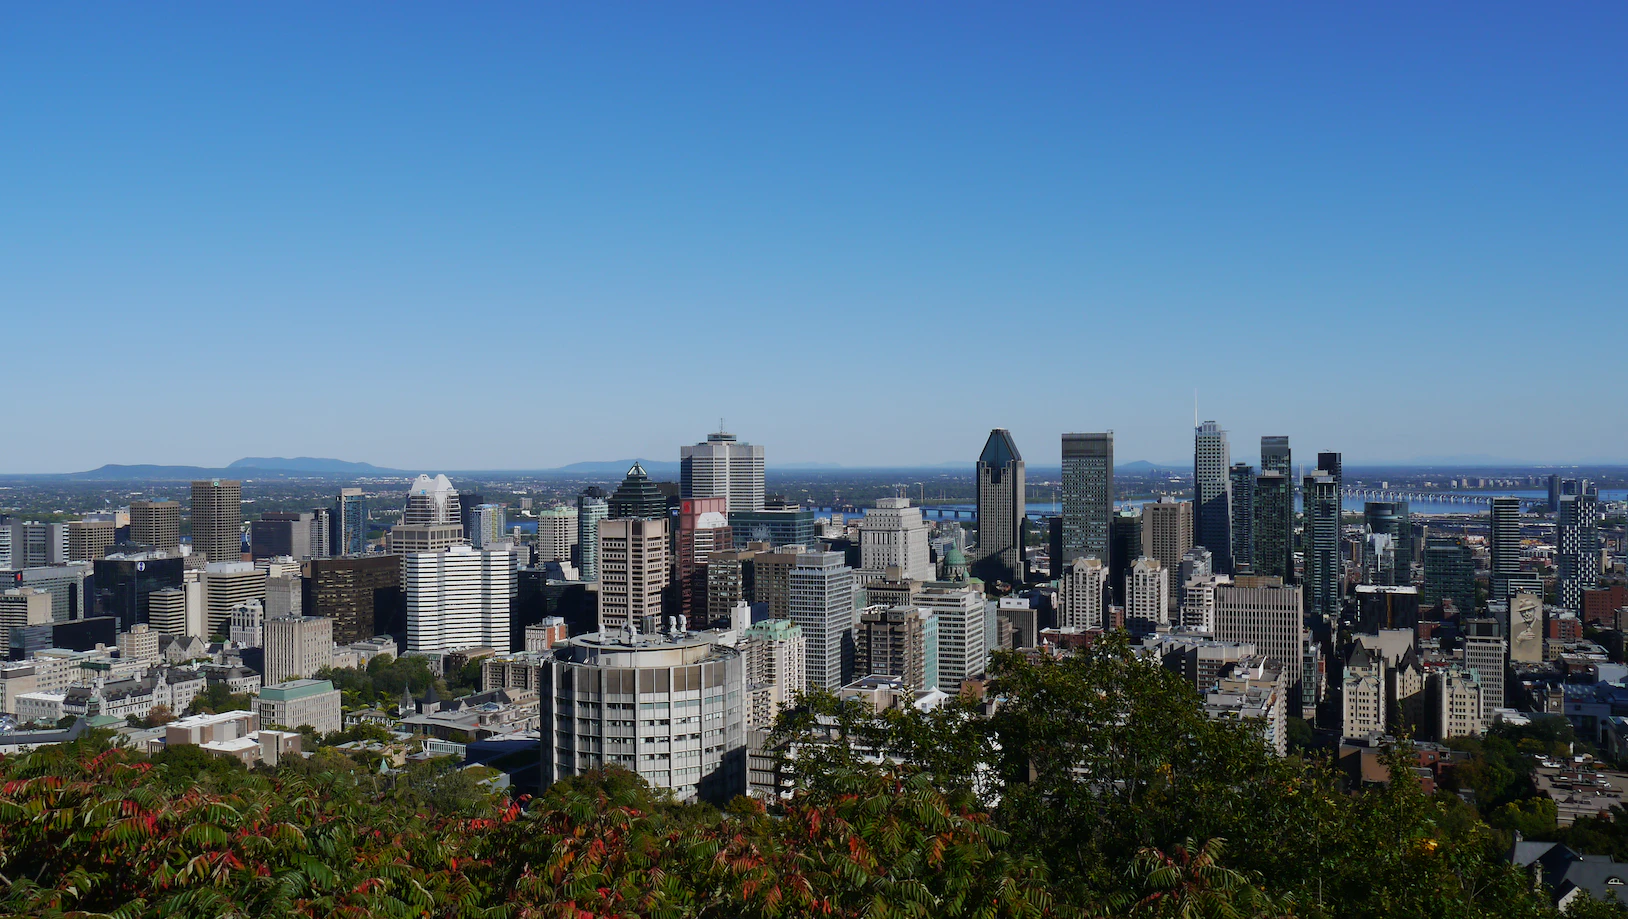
pixel 619 468
pixel 310 465
pixel 1143 467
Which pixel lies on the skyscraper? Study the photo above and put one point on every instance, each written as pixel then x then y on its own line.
pixel 217 519
pixel 1267 614
pixel 350 523
pixel 556 533
pixel 1449 574
pixel 1212 493
pixel 633 572
pixel 155 524
pixel 457 598
pixel 821 602
pixel 723 468
pixel 1083 594
pixel 1243 517
pixel 962 652
pixel 1506 548
pixel 1088 495
pixel 638 497
pixel 703 528
pixel 1002 510
pixel 1391 518
pixel 1577 531
pixel 1167 533
pixel 1124 547
pixel 894 534
pixel 1321 544
pixel 591 508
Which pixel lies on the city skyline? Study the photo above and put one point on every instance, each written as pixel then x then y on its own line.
pixel 219 186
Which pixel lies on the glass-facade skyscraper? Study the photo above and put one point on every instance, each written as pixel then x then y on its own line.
pixel 1088 495
pixel 1212 494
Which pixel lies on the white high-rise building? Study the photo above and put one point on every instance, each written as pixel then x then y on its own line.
pixel 224 585
pixel 894 534
pixel 962 652
pixel 1147 592
pixel 458 598
pixel 776 668
pixel 296 648
pixel 1083 594
pixel 556 534
pixel 723 468
pixel 821 600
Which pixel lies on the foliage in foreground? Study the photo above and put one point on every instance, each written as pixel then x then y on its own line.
pixel 1097 789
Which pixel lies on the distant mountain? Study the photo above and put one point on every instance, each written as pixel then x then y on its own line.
pixel 310 465
pixel 1143 467
pixel 619 468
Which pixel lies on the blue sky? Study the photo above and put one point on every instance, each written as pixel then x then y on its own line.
pixel 517 236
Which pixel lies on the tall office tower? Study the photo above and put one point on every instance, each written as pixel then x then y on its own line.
pixel 1449 574
pixel 167 611
pixel 776 668
pixel 457 598
pixel 37 545
pixel 349 525
pixel 1484 654
pixel 432 501
pixel 771 579
pixel 1212 494
pixel 723 468
pixel 1002 511
pixel 281 533
pixel 1167 532
pixel 893 534
pixel 1275 455
pixel 703 528
pixel 1147 601
pixel 1577 531
pixel 490 524
pixel 1506 548
pixel 821 600
pixel 592 507
pixel 729 581
pixel 362 595
pixel 633 572
pixel 297 647
pixel 1083 594
pixel 20 608
pixel 584 728
pixel 1324 574
pixel 638 497
pixel 224 586
pixel 124 583
pixel 1088 495
pixel 320 532
pixel 1331 463
pixel 217 519
pixel 1268 614
pixel 899 641
pixel 963 652
pixel 782 526
pixel 1243 517
pixel 155 524
pixel 556 533
pixel 1391 518
pixel 88 540
pixel 1124 547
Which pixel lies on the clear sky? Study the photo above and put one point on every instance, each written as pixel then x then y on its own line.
pixel 516 236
